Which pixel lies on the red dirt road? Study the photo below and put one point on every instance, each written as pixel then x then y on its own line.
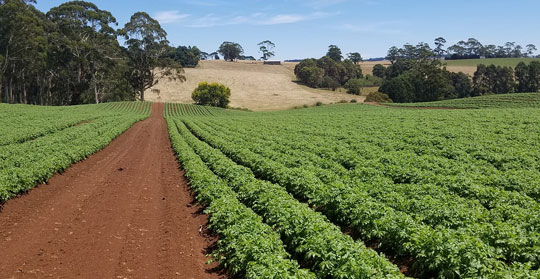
pixel 125 212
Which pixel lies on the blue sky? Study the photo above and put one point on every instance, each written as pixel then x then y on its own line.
pixel 302 28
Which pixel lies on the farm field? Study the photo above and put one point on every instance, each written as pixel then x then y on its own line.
pixel 516 100
pixel 340 191
pixel 250 82
pixel 454 192
pixel 124 212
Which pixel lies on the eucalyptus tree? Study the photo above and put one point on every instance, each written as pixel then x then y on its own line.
pixel 84 43
pixel 22 48
pixel 439 49
pixel 230 51
pixel 355 57
pixel 530 50
pixel 266 49
pixel 147 46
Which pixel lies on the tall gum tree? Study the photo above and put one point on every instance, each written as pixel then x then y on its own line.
pixel 147 47
pixel 84 33
pixel 22 48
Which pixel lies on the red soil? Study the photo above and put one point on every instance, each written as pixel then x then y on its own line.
pixel 125 212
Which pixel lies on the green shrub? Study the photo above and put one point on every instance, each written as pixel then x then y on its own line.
pixel 378 97
pixel 211 94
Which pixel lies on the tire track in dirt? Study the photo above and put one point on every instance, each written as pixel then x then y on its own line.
pixel 125 212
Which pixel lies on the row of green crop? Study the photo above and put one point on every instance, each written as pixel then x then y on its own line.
pixel 516 100
pixel 40 152
pixel 433 204
pixel 451 253
pixel 173 109
pixel 247 247
pixel 308 235
pixel 19 123
pixel 428 203
pixel 136 107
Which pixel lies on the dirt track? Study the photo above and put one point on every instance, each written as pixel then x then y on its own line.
pixel 125 212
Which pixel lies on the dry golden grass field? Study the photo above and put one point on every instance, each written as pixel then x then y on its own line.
pixel 253 86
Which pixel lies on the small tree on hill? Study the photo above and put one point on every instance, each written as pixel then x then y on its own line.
pixel 530 50
pixel 265 48
pixel 355 57
pixel 211 94
pixel 231 51
pixel 334 52
pixel 439 50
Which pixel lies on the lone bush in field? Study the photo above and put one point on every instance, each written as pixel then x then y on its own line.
pixel 211 94
pixel 378 97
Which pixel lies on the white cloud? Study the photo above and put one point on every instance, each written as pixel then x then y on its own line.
pixel 169 16
pixel 283 19
pixel 211 20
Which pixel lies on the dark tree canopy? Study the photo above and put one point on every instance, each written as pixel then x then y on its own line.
pixel 355 57
pixel 379 71
pixel 415 76
pixel 187 56
pixel 326 72
pixel 334 52
pixel 230 51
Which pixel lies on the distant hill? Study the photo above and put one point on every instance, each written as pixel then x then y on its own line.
pixel 254 86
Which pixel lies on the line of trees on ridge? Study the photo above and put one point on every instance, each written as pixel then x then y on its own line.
pixel 416 75
pixel 473 49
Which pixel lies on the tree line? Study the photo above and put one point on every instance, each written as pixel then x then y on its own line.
pixel 71 54
pixel 473 48
pixel 416 75
pixel 232 51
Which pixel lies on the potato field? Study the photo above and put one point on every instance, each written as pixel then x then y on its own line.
pixel 340 191
pixel 37 142
pixel 353 191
